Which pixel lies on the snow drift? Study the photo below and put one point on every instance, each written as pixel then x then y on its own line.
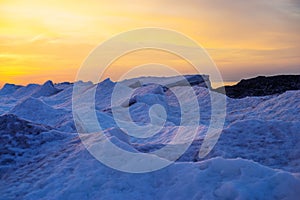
pixel 42 157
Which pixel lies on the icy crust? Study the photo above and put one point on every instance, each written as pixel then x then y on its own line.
pixel 272 143
pixel 21 141
pixel 256 157
pixel 69 172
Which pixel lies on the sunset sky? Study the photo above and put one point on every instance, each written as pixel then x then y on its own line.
pixel 42 40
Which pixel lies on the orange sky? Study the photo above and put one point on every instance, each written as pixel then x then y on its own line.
pixel 41 40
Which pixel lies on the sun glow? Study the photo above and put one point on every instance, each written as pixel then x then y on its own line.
pixel 41 40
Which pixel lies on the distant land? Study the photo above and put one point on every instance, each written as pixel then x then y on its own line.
pixel 262 85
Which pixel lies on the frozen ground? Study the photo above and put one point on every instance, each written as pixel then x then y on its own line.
pixel 42 157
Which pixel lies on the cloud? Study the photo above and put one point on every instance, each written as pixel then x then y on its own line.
pixel 62 33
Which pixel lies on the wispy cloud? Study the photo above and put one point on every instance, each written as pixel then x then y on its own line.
pixel 243 37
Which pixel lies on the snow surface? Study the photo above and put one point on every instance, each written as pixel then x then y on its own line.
pixel 42 157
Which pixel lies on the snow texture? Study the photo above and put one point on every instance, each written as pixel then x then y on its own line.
pixel 42 157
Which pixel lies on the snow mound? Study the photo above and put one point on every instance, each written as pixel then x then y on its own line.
pixel 22 140
pixel 47 89
pixel 283 107
pixel 149 94
pixel 42 156
pixel 169 82
pixel 25 92
pixel 9 89
pixel 74 174
pixel 36 110
pixel 272 143
pixel 64 85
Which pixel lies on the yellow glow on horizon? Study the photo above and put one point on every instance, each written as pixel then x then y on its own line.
pixel 150 59
pixel 41 40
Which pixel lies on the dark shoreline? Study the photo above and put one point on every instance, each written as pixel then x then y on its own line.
pixel 262 86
